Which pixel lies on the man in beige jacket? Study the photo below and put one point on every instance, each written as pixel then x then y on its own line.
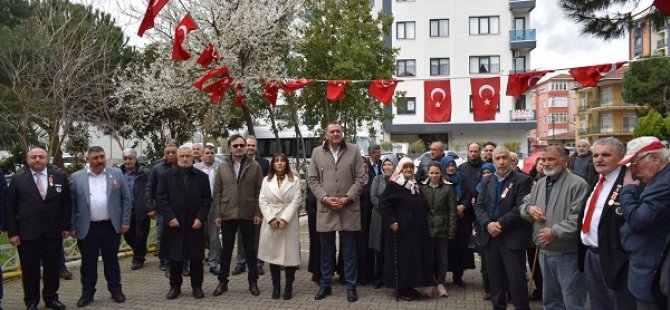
pixel 336 177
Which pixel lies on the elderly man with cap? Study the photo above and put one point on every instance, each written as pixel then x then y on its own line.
pixel 137 176
pixel 646 213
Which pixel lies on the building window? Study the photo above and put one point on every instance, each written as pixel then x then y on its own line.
pixel 484 64
pixel 606 97
pixel 406 105
pixel 406 67
pixel 484 25
pixel 558 102
pixel 629 122
pixel 559 85
pixel 439 27
pixel 439 66
pixel 404 30
pixel 606 123
pixel 520 64
pixel 520 103
pixel 557 118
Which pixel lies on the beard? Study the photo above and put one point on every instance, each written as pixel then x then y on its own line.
pixel 553 172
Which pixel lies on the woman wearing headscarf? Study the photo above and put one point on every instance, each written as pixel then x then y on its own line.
pixel 389 163
pixel 442 217
pixel 408 257
pixel 460 256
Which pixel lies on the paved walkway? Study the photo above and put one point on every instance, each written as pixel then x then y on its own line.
pixel 146 289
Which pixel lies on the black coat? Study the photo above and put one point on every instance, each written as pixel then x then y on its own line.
pixel 30 217
pixel 614 260
pixel 184 200
pixel 264 163
pixel 414 250
pixel 142 174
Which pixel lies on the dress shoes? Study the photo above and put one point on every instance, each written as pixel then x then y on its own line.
pixel 137 265
pixel 31 307
pixel 288 293
pixel 84 301
pixel 173 293
pixel 54 304
pixel 238 270
pixel 222 287
pixel 186 272
pixel 214 271
pixel 323 292
pixel 64 273
pixel 198 293
pixel 118 296
pixel 253 288
pixel 275 292
pixel 351 295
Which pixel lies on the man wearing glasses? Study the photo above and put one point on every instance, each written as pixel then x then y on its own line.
pixel 237 186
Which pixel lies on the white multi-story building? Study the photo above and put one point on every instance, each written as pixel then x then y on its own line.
pixel 459 40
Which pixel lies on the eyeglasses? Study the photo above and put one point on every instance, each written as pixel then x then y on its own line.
pixel 238 145
pixel 634 164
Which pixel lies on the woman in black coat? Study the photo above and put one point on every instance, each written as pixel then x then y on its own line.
pixel 408 253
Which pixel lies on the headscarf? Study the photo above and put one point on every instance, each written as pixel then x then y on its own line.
pixel 486 166
pixel 453 178
pixel 391 158
pixel 399 178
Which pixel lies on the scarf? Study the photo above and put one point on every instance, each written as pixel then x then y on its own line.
pixel 399 178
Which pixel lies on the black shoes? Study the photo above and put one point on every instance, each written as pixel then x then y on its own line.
pixel 118 296
pixel 238 270
pixel 288 292
pixel 198 293
pixel 261 271
pixel 222 287
pixel 253 288
pixel 323 292
pixel 31 307
pixel 214 271
pixel 84 301
pixel 54 304
pixel 275 292
pixel 351 295
pixel 64 273
pixel 459 281
pixel 186 272
pixel 137 265
pixel 173 293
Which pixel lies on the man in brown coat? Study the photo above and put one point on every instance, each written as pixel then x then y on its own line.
pixel 237 186
pixel 336 177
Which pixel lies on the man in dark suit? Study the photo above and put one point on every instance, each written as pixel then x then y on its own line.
pixel 183 198
pixel 101 213
pixel 38 218
pixel 601 256
pixel 505 234
pixel 137 176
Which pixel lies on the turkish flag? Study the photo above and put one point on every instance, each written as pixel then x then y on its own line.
pixel 294 85
pixel 185 26
pixel 335 90
pixel 271 91
pixel 383 90
pixel 239 95
pixel 485 98
pixel 437 101
pixel 218 89
pixel 663 6
pixel 153 9
pixel 208 55
pixel 210 74
pixel 519 83
pixel 589 76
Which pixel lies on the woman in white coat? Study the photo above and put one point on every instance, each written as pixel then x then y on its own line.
pixel 279 238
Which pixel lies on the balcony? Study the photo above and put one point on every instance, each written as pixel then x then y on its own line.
pixel 522 39
pixel 608 130
pixel 522 115
pixel 521 5
pixel 661 43
pixel 601 106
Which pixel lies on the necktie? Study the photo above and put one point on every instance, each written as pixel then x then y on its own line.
pixel 38 182
pixel 592 205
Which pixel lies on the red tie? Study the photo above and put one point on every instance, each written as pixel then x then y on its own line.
pixel 592 205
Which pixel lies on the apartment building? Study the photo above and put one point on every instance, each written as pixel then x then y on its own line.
pixel 554 103
pixel 645 40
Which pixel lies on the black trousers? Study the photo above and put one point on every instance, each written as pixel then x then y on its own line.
pixel 102 240
pixel 228 231
pixel 197 273
pixel 136 236
pixel 31 254
pixel 507 272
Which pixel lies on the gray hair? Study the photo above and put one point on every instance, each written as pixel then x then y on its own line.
pixel 561 151
pixel 618 146
pixel 584 141
pixel 184 147
pixel 501 149
pixel 94 149
pixel 252 137
pixel 513 155
pixel 129 152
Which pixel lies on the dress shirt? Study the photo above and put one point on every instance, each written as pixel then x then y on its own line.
pixel 44 181
pixel 97 188
pixel 211 173
pixel 591 238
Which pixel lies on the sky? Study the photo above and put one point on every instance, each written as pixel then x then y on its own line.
pixel 560 43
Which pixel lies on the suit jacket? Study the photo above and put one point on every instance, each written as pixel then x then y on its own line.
pixel 118 200
pixel 614 260
pixel 516 231
pixel 30 217
pixel 265 164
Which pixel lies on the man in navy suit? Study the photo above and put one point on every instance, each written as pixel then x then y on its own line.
pixel 38 218
pixel 505 234
pixel 101 213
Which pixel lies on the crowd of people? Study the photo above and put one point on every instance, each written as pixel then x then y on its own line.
pixel 593 223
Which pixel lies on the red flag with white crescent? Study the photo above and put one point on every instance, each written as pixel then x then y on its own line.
pixel 294 85
pixel 485 94
pixel 383 90
pixel 219 88
pixel 154 7
pixel 663 6
pixel 185 26
pixel 335 90
pixel 210 74
pixel 590 75
pixel 239 95
pixel 519 83
pixel 437 101
pixel 208 55
pixel 271 91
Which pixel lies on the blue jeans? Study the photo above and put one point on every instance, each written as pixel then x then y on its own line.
pixel 564 285
pixel 348 248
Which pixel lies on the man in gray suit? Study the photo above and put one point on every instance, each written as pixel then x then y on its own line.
pixel 101 208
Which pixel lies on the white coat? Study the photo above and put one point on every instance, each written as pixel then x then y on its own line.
pixel 280 246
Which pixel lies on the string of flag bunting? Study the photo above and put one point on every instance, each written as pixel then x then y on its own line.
pixel 485 91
